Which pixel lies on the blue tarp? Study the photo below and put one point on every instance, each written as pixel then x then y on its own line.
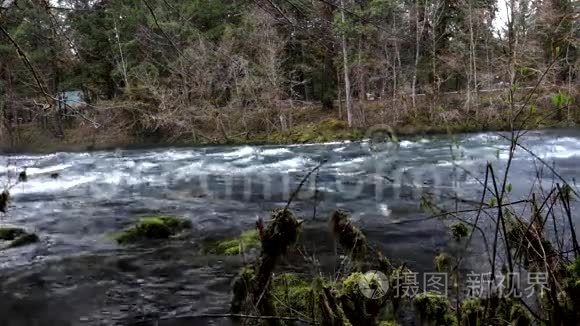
pixel 73 98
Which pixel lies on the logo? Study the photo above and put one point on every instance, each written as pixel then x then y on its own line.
pixel 374 285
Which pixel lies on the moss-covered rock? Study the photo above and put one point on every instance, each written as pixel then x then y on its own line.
pixel 9 234
pixel 23 240
pixel 153 227
pixel 231 247
pixel 434 308
pixel 18 237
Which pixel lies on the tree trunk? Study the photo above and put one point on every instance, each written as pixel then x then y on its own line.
pixel 339 88
pixel 418 34
pixel 347 91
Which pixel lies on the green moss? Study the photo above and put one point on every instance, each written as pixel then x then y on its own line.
pixel 350 285
pixel 472 311
pixel 153 227
pixel 519 315
pixel 231 247
pixel 277 238
pixel 327 130
pixel 241 289
pixel 332 124
pixel 441 262
pixel 24 240
pixel 292 293
pixel 459 231
pixel 10 234
pixel 388 323
pixel 17 236
pixel 513 312
pixel 362 298
pixel 574 268
pixel 571 296
pixel 434 308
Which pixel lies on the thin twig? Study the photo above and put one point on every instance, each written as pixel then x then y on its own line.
pixel 160 28
pixel 24 58
pixel 566 204
pixel 302 183
pixel 546 164
pixel 476 219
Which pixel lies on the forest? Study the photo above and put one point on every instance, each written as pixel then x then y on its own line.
pixel 279 71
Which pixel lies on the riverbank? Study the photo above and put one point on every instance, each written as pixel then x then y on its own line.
pixel 297 125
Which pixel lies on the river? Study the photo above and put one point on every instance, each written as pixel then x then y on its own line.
pixel 76 275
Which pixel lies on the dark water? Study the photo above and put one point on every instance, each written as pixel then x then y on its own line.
pixel 77 276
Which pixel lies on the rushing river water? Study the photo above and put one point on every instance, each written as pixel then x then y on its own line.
pixel 77 275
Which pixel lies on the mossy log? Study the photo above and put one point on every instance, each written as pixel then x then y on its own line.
pixel 332 313
pixel 359 309
pixel 349 236
pixel 331 303
pixel 252 289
